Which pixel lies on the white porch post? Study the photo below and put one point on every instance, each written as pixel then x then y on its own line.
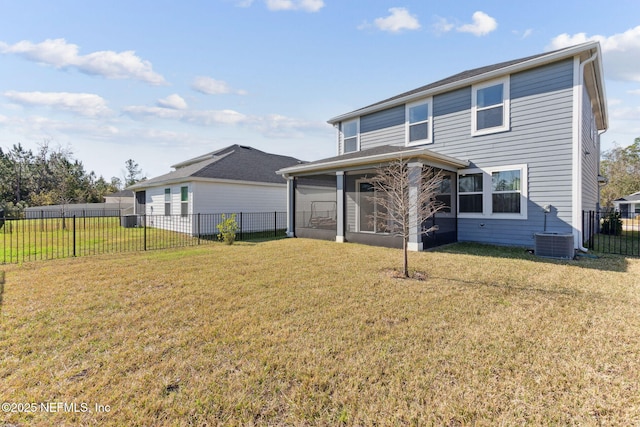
pixel 291 206
pixel 340 207
pixel 415 238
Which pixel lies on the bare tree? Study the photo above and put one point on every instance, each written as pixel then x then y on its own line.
pixel 405 198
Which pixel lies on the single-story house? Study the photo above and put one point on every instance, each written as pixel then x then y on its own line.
pixel 518 143
pixel 124 199
pixel 235 179
pixel 628 206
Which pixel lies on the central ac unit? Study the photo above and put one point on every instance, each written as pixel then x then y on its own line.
pixel 554 245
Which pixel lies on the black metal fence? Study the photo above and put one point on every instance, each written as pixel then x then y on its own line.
pixel 610 232
pixel 31 239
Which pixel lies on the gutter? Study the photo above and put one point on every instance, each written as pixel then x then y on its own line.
pixel 577 154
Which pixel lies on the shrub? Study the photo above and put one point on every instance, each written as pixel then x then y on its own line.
pixel 227 229
pixel 612 224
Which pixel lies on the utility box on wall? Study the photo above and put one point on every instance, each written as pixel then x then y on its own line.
pixel 554 245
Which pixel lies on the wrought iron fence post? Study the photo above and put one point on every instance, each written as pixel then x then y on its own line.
pixel 74 235
pixel 275 224
pixel 144 231
pixel 198 228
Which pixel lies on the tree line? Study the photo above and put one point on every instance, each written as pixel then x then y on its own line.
pixel 52 176
pixel 621 168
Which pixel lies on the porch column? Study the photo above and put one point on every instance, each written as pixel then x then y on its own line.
pixel 340 206
pixel 415 238
pixel 291 206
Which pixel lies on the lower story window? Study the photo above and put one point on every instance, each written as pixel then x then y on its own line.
pixel 167 201
pixel 505 187
pixel 184 201
pixel 471 198
pixel 500 192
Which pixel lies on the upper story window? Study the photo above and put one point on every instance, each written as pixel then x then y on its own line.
pixel 490 107
pixel 350 136
pixel 419 120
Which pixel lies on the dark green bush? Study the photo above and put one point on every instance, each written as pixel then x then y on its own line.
pixel 612 224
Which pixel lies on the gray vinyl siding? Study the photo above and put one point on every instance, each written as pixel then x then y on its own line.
pixel 540 136
pixel 382 128
pixel 590 155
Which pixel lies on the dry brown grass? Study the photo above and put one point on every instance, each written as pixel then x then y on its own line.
pixel 302 332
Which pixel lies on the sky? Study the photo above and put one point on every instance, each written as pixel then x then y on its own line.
pixel 164 81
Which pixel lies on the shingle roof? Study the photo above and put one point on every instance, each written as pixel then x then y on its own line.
pixel 121 193
pixel 236 162
pixel 630 198
pixel 373 156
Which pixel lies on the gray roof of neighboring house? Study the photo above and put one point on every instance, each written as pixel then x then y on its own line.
pixel 635 197
pixel 121 193
pixel 236 162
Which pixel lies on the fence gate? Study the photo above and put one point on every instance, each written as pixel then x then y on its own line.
pixel 611 232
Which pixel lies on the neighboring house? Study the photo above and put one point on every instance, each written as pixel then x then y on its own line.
pixel 231 180
pixel 124 199
pixel 518 142
pixel 628 206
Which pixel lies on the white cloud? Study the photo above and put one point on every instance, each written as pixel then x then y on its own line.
pixel 482 25
pixel 399 19
pixel 198 117
pixel 635 92
pixel 85 104
pixel 621 51
pixel 279 126
pixel 244 3
pixel 442 25
pixel 304 5
pixel 270 125
pixel 210 86
pixel 109 64
pixel 174 101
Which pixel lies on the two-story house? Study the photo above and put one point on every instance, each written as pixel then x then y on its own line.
pixel 518 141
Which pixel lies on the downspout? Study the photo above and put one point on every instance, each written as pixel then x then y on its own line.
pixel 577 156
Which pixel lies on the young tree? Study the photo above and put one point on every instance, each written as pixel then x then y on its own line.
pixel 133 173
pixel 405 198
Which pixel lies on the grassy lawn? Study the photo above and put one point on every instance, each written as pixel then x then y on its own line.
pixel 30 240
pixel 304 332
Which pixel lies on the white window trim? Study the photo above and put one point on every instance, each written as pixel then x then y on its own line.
pixel 487 192
pixel 429 139
pixel 342 138
pixel 506 110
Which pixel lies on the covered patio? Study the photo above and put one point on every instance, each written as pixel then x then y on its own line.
pixel 327 199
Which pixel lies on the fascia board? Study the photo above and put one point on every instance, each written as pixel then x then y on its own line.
pixel 428 156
